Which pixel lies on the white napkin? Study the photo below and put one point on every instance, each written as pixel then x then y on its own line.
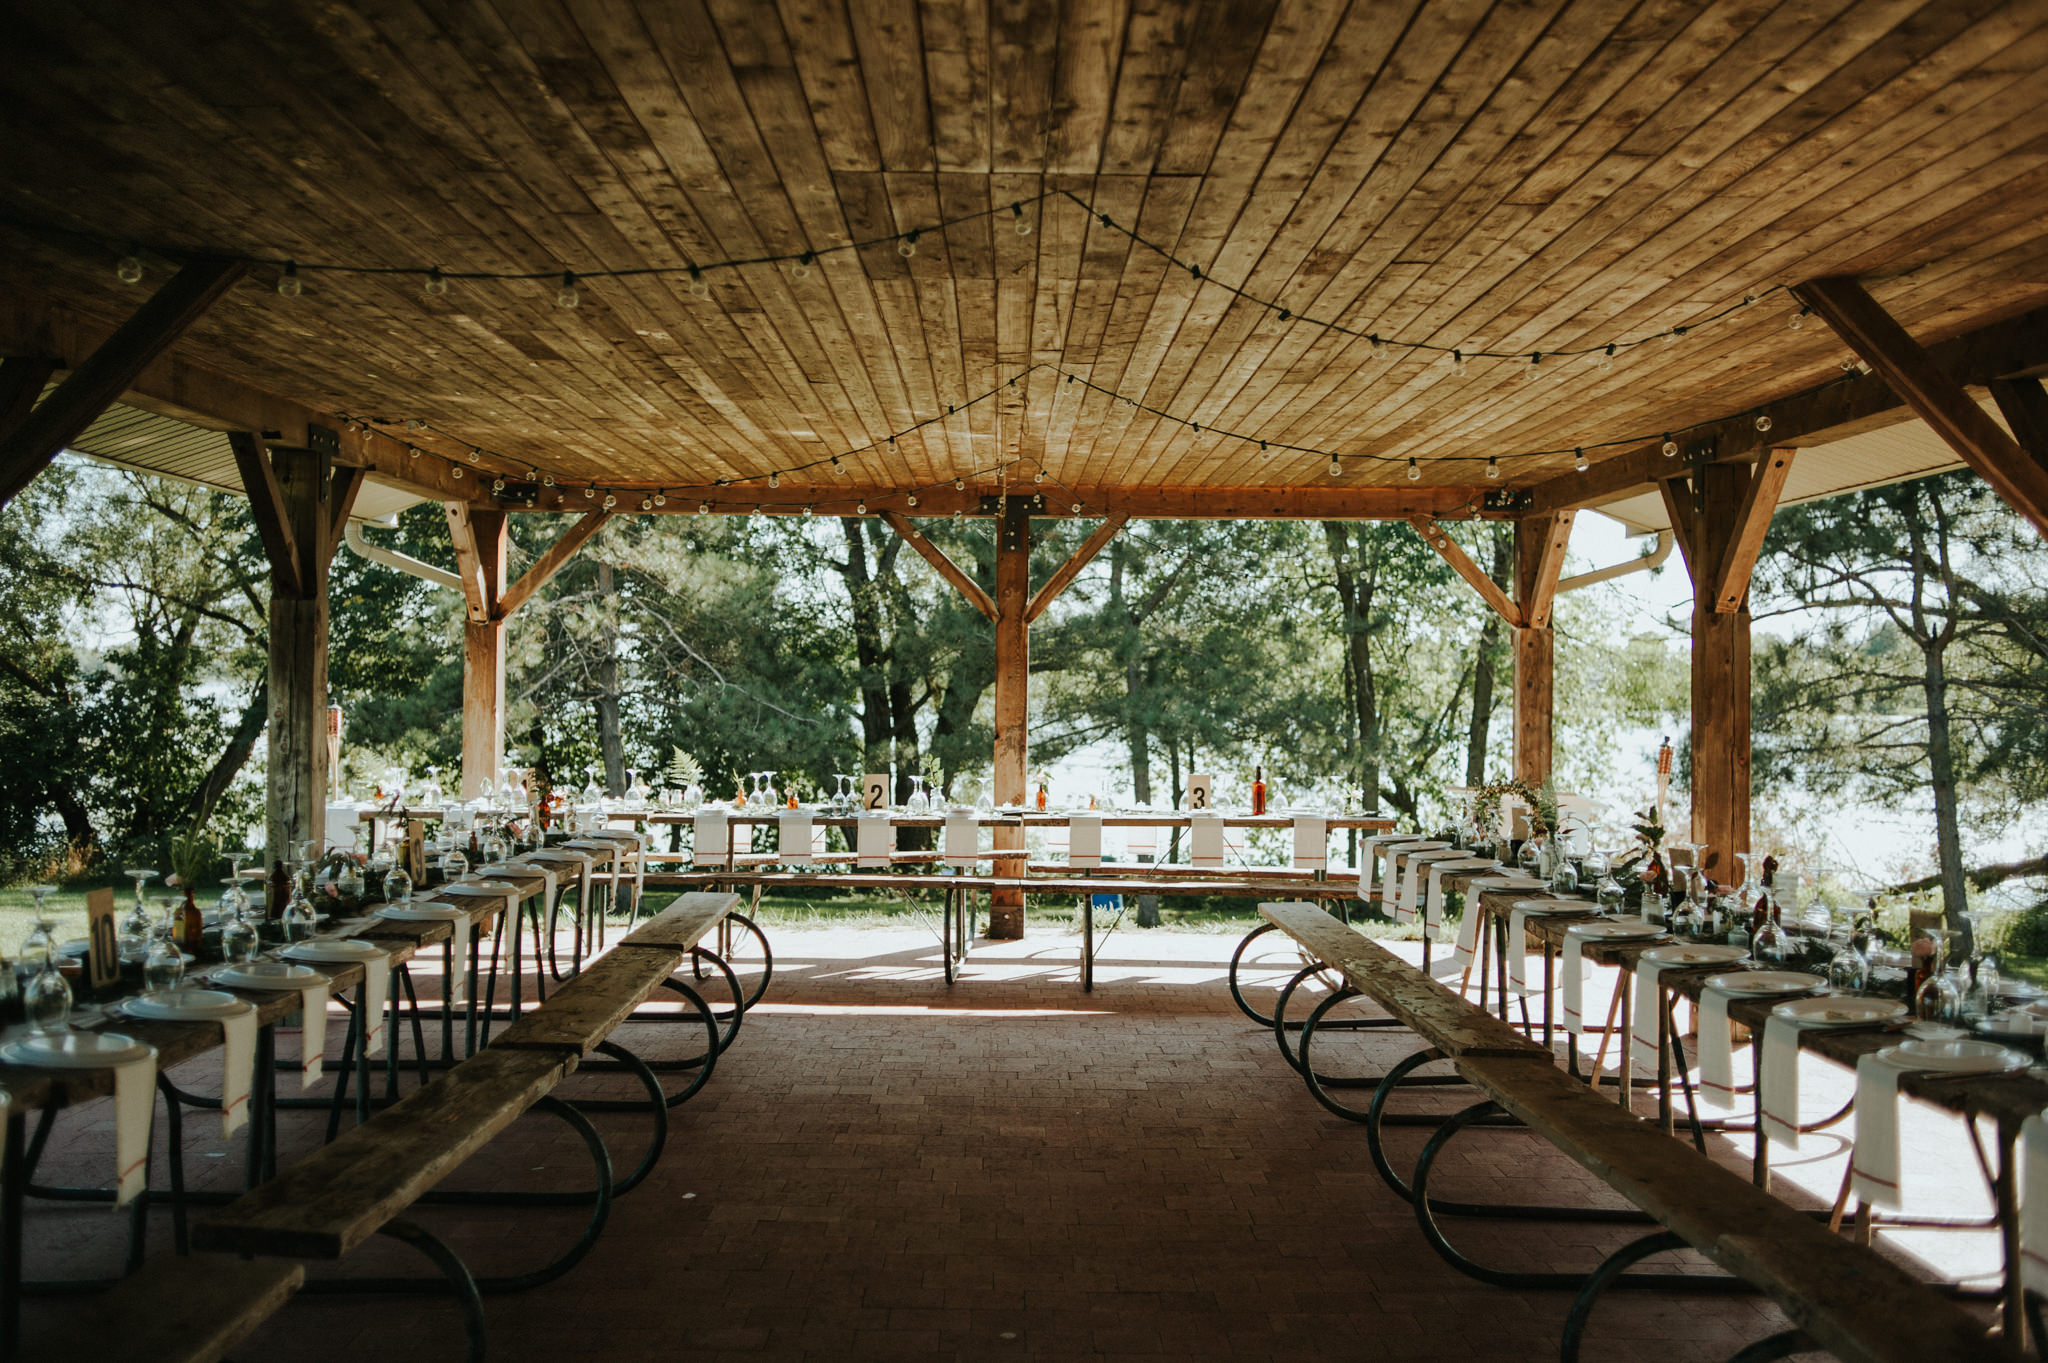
pixel 2033 1151
pixel 963 838
pixel 1572 968
pixel 1411 890
pixel 793 836
pixel 1468 926
pixel 1433 902
pixel 134 1105
pixel 313 1030
pixel 712 847
pixel 1642 1026
pixel 1311 841
pixel 238 1067
pixel 1369 859
pixel 1874 1162
pixel 875 838
pixel 1518 950
pixel 376 990
pixel 1779 1081
pixel 1084 840
pixel 1717 1051
pixel 1205 838
pixel 458 970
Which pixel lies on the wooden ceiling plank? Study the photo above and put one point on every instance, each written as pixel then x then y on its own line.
pixel 952 572
pixel 1461 563
pixel 101 377
pixel 1939 400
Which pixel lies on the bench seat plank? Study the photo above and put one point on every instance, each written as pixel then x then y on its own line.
pixel 172 1310
pixel 590 1006
pixel 685 921
pixel 343 1193
pixel 1440 1016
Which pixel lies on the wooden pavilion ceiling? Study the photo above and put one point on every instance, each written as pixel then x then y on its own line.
pixel 1521 176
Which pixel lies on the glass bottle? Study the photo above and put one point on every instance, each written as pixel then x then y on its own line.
pixel 1258 790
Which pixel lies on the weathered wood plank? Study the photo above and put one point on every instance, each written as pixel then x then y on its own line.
pixel 343 1193
pixel 590 1006
pixel 1461 563
pixel 684 922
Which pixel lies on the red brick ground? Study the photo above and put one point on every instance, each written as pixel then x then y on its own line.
pixel 885 1168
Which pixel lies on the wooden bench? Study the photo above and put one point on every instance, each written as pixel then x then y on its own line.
pixel 174 1309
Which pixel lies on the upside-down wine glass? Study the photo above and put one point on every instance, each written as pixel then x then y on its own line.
pixel 164 966
pixel 136 925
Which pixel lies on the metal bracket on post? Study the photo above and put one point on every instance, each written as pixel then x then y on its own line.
pixel 1508 500
pixel 992 505
pixel 1700 455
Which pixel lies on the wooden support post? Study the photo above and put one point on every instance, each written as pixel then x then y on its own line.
pixel 1539 556
pixel 480 544
pixel 1940 401
pixel 1720 675
pixel 103 376
pixel 1012 702
pixel 300 502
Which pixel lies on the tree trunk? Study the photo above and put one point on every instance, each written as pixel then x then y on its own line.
pixel 870 652
pixel 199 809
pixel 1485 668
pixel 609 741
pixel 1941 762
pixel 1173 774
pixel 1354 595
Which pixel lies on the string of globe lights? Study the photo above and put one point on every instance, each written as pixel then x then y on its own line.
pixel 435 281
pixel 727 494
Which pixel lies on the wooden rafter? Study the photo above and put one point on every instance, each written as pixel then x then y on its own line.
pixel 1752 522
pixel 1489 591
pixel 102 376
pixel 2025 404
pixel 468 531
pixel 1537 584
pixel 1938 399
pixel 1678 506
pixel 22 380
pixel 266 505
pixel 551 562
pixel 1071 569
pixel 344 485
pixel 947 569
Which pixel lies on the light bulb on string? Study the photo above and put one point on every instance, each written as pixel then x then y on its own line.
pixel 810 510
pixel 1077 508
pixel 801 269
pixel 703 508
pixel 434 285
pixel 860 508
pixel 906 245
pixel 455 471
pixel 774 480
pixel 475 455
pixel 1458 370
pixel 1674 336
pixel 610 501
pixel 912 500
pixel 959 485
pixel 647 503
pixel 1414 469
pixel 412 451
pixel 698 287
pixel 128 269
pixel 1492 468
pixel 1606 363
pixel 1379 348
pixel 547 480
pixel 661 499
pixel 590 494
pixel 1670 447
pixel 1336 467
pixel 1017 218
pixel 497 484
pixel 1762 422
pixel 1579 460
pixel 1038 477
pixel 1535 369
pixel 1798 319
pixel 288 283
pixel 838 468
pixel 567 296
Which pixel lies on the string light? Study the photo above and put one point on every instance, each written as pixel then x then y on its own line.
pixel 1379 348
pixel 566 296
pixel 906 245
pixel 1762 422
pixel 497 484
pixel 128 269
pixel 1535 369
pixel 647 503
pixel 838 469
pixel 860 508
pixel 913 499
pixel 1492 468
pixel 610 501
pixel 435 285
pixel 1674 336
pixel 661 499
pixel 1039 476
pixel 1669 447
pixel 810 510
pixel 547 480
pixel 774 480
pixel 288 284
pixel 1022 223
pixel 802 268
pixel 1606 363
pixel 703 508
pixel 1336 468
pixel 1077 508
pixel 590 494
pixel 1458 370
pixel 1414 469
pixel 475 455
pixel 699 288
pixel 1798 319
pixel 959 485
pixel 455 471
pixel 1579 460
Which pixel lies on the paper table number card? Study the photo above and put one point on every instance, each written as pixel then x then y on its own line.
pixel 1199 788
pixel 874 790
pixel 103 950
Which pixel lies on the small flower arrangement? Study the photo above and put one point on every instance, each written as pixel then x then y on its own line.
pixel 1541 800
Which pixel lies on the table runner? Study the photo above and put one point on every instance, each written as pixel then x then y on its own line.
pixel 1311 841
pixel 793 836
pixel 874 838
pixel 1874 1159
pixel 1084 840
pixel 1205 839
pixel 712 845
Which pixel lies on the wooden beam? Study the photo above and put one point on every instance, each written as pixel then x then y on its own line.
pixel 1746 536
pixel 1071 569
pixel 1830 411
pixel 22 380
pixel 550 563
pixel 1433 535
pixel 469 564
pixel 483 655
pixel 1678 506
pixel 2025 405
pixel 1535 655
pixel 104 375
pixel 1012 703
pixel 297 762
pixel 842 495
pixel 951 571
pixel 345 484
pixel 1536 582
pixel 267 507
pixel 1720 682
pixel 1938 399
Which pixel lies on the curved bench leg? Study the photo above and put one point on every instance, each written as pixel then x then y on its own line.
pixel 702 1063
pixel 456 1272
pixel 1773 1347
pixel 1602 1278
pixel 1236 964
pixel 1320 1084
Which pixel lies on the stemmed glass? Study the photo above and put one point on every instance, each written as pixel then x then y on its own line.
pixel 300 918
pixel 769 795
pixel 430 793
pixel 920 801
pixel 1848 967
pixel 164 966
pixel 47 997
pixel 135 927
pixel 592 792
pixel 1608 891
pixel 842 798
pixel 239 940
pixel 398 885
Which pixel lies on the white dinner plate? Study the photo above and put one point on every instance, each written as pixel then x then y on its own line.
pixel 184 1005
pixel 70 1050
pixel 1837 1010
pixel 1615 930
pixel 335 951
pixel 268 975
pixel 1763 983
pixel 424 913
pixel 1694 953
pixel 1556 906
pixel 1510 884
pixel 1958 1057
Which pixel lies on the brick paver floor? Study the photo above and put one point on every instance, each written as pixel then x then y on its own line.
pixel 883 1167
